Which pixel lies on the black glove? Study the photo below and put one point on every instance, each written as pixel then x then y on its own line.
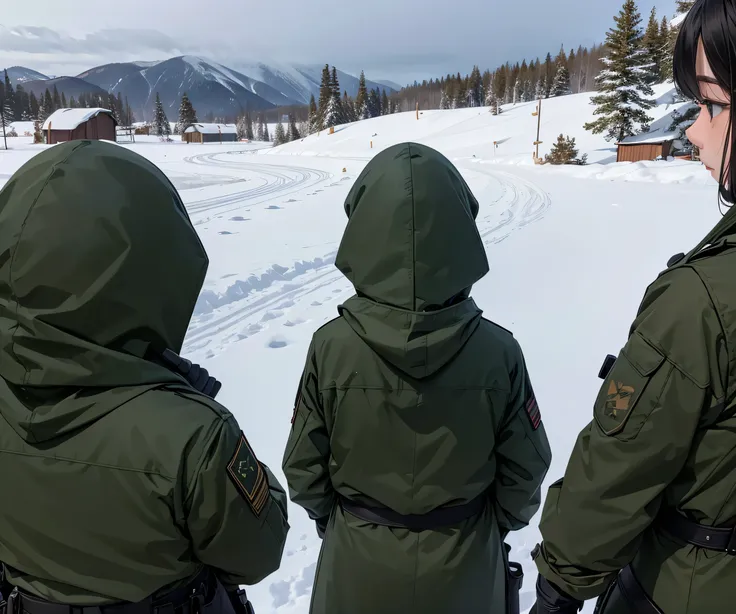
pixel 197 376
pixel 552 600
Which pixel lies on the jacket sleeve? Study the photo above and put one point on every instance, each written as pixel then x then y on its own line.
pixel 645 418
pixel 237 525
pixel 307 454
pixel 523 454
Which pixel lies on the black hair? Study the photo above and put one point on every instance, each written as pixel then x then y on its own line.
pixel 713 22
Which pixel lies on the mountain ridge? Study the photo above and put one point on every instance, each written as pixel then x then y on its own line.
pixel 214 88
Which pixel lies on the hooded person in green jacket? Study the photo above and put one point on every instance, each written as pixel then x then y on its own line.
pixel 416 442
pixel 644 518
pixel 120 480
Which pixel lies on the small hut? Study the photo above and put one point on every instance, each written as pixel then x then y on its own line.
pixel 634 149
pixel 210 133
pixel 75 124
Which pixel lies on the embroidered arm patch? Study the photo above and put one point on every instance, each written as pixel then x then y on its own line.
pixel 248 476
pixel 532 410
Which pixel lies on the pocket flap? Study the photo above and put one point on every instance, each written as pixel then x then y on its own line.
pixel 645 358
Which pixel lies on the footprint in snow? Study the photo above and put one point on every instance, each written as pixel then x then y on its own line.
pixel 286 305
pixel 239 218
pixel 345 179
pixel 277 343
pixel 289 553
pixel 336 291
pixel 303 536
pixel 293 323
pixel 226 232
pixel 271 315
pixel 228 275
pixel 280 592
pixel 272 207
pixel 291 200
pixel 316 303
pixel 303 585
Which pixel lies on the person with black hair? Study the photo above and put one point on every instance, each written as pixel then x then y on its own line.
pixel 644 518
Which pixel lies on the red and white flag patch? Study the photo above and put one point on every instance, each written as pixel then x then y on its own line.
pixel 532 410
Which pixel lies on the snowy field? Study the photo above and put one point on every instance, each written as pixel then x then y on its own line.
pixel 571 249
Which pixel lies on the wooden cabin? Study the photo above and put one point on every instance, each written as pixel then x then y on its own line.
pixel 76 124
pixel 210 133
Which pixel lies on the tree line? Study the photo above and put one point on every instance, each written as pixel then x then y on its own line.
pixel 18 105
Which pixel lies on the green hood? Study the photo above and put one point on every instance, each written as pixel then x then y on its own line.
pixel 412 251
pixel 98 263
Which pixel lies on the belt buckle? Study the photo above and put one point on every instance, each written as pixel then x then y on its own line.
pixel 731 546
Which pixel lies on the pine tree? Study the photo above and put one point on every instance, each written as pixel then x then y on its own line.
pixel 564 152
pixel 683 6
pixel 161 125
pixel 549 75
pixel 348 108
pixel 293 134
pixel 72 102
pixel 334 115
pixel 187 114
pixel 312 117
pixel 361 100
pixel 374 104
pixel 651 43
pixel 665 57
pixel 9 99
pixel 22 103
pixel 444 103
pixel 63 101
pixel 46 106
pixel 113 105
pixel 325 96
pixel 57 99
pixel 475 88
pixel 240 127
pixel 385 109
pixel 249 125
pixel 623 84
pixel 130 117
pixel 279 138
pixel 266 135
pixel 561 83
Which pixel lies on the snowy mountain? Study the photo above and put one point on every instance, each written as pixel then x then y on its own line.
pixel 71 86
pixel 389 84
pixel 21 74
pixel 298 82
pixel 212 88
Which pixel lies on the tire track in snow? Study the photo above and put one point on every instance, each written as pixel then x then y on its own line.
pixel 250 302
pixel 279 179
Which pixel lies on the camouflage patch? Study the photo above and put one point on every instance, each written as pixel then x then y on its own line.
pixel 619 399
pixel 248 476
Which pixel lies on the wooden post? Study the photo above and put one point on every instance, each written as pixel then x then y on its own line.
pixel 48 138
pixel 332 129
pixel 417 110
pixel 371 144
pixel 539 122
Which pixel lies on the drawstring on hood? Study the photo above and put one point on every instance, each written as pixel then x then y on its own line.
pixel 412 251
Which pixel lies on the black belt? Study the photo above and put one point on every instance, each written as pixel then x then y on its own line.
pixel 721 539
pixel 437 518
pixel 187 599
pixel 634 594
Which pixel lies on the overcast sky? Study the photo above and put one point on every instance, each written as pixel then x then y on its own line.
pixel 390 39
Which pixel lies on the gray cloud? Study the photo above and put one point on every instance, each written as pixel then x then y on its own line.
pixel 391 39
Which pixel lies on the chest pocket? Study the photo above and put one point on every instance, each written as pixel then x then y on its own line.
pixel 621 401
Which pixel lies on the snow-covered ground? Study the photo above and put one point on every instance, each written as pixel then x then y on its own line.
pixel 571 249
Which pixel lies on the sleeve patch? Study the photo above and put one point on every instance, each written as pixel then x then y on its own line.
pixel 248 476
pixel 532 410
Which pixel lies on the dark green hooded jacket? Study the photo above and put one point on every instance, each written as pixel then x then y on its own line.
pixel 114 470
pixel 662 439
pixel 411 401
